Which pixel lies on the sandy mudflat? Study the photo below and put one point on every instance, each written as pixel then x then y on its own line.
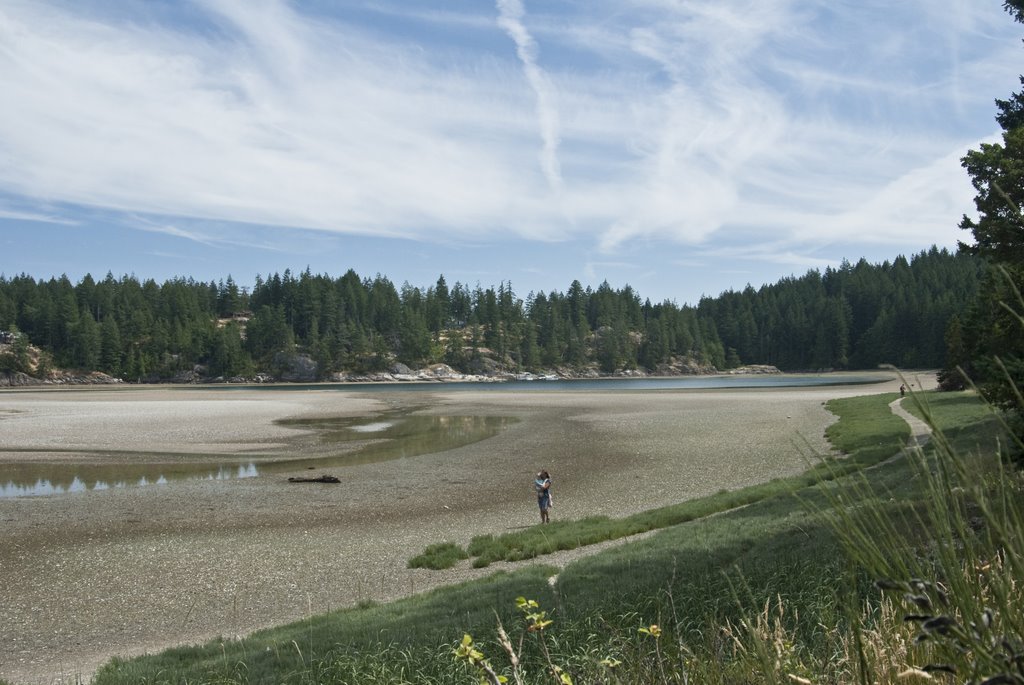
pixel 122 571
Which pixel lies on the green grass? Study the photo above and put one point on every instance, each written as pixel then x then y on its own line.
pixel 564 535
pixel 867 430
pixel 292 653
pixel 439 556
pixel 952 557
pixel 965 418
pixel 755 594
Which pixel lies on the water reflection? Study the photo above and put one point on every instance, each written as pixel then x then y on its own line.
pixel 348 441
pixel 373 427
pixel 739 381
pixel 24 480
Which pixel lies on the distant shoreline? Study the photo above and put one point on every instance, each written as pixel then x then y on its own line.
pixel 421 377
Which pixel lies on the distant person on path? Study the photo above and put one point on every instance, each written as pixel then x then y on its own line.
pixel 542 484
pixel 903 390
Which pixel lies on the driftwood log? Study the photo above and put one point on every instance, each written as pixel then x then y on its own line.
pixel 318 479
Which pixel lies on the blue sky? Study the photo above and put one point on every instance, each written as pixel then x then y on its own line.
pixel 684 147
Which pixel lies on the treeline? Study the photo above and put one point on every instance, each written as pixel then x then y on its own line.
pixel 856 316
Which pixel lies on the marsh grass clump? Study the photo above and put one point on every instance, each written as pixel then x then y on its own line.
pixel 566 535
pixel 439 556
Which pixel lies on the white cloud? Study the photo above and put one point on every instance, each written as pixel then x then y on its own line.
pixel 148 226
pixel 510 18
pixel 687 120
pixel 915 207
pixel 18 215
pixel 149 120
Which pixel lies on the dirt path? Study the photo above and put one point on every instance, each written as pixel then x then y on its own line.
pixel 920 432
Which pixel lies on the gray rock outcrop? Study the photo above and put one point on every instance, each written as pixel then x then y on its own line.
pixel 295 368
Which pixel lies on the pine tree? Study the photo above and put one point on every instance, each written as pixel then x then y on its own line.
pixel 111 351
pixel 997 174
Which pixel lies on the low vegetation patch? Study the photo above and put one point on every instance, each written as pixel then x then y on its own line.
pixel 867 431
pixel 964 417
pixel 407 641
pixel 439 556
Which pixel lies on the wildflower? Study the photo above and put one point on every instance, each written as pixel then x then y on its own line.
pixel 654 630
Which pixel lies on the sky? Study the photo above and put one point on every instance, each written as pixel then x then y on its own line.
pixel 683 147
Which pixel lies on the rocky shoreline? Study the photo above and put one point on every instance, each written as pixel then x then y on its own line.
pixel 23 380
pixel 397 373
pixel 299 367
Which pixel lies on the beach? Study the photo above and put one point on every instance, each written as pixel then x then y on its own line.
pixel 126 570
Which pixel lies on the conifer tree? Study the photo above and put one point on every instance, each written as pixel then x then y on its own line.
pixel 997 174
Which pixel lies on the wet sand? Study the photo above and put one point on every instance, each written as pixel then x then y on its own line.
pixel 87 576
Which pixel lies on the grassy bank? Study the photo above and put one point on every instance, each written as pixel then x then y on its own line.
pixel 766 592
pixel 866 433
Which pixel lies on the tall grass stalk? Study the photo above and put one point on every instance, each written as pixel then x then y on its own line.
pixel 954 560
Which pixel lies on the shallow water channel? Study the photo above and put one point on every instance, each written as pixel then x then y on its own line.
pixel 338 442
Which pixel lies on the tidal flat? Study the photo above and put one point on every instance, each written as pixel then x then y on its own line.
pixel 125 569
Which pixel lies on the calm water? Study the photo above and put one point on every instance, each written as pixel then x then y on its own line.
pixel 581 384
pixel 390 435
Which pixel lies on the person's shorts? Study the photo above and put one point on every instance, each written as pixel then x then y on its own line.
pixel 544 501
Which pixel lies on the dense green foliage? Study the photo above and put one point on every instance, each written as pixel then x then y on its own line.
pixel 856 316
pixel 988 347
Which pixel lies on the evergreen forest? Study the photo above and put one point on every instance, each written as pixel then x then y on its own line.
pixel 854 317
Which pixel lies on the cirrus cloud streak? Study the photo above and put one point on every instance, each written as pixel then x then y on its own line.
pixel 690 121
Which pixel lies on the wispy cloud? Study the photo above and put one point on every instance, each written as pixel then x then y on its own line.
pixel 149 226
pixel 430 15
pixel 510 18
pixel 151 119
pixel 790 123
pixel 216 236
pixel 35 217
